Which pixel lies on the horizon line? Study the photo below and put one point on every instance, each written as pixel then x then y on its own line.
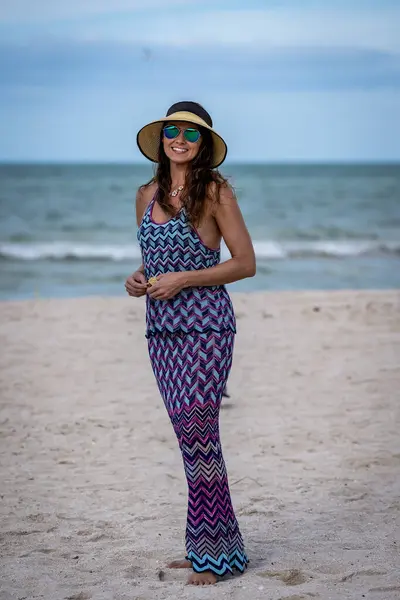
pixel 311 162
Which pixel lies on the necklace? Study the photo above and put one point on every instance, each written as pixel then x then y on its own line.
pixel 176 192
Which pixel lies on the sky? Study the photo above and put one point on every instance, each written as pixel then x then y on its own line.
pixel 284 81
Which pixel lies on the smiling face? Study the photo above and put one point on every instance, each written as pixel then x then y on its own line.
pixel 179 150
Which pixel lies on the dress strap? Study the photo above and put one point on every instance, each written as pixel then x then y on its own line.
pixel 152 201
pixel 149 207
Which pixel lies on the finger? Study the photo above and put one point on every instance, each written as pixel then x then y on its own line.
pixel 162 296
pixel 130 289
pixel 136 284
pixel 151 289
pixel 157 295
pixel 134 291
pixel 136 294
pixel 134 281
pixel 129 285
pixel 140 278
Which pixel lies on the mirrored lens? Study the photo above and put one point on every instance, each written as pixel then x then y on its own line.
pixel 171 132
pixel 192 135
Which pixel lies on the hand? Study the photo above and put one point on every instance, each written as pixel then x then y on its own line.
pixel 136 284
pixel 168 285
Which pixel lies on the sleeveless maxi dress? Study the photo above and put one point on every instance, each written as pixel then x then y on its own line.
pixel 190 340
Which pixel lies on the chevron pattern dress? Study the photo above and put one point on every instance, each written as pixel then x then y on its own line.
pixel 190 340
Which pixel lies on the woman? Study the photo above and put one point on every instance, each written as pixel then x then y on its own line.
pixel 182 214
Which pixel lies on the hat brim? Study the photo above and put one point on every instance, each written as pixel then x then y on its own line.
pixel 148 138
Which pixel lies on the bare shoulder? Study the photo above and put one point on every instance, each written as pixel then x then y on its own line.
pixel 144 196
pixel 221 196
pixel 146 193
pixel 227 195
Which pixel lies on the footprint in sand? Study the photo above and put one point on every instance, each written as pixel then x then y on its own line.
pixel 132 572
pixel 85 532
pixel 296 597
pixel 37 517
pixel 21 532
pixel 80 596
pixel 389 588
pixel 97 537
pixel 292 577
pixel 41 550
pixel 372 572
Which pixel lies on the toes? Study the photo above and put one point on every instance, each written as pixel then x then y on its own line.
pixel 202 579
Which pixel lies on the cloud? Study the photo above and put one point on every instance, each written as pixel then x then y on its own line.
pixel 182 23
pixel 77 79
pixel 101 64
pixel 25 11
pixel 265 28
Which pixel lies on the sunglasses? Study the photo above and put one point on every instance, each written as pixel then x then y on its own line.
pixel 191 135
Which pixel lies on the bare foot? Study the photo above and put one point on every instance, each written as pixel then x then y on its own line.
pixel 206 578
pixel 180 564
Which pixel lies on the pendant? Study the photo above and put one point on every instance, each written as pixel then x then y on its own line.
pixel 176 192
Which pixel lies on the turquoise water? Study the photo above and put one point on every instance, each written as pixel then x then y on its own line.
pixel 70 230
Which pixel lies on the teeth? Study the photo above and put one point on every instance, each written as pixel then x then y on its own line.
pixel 180 150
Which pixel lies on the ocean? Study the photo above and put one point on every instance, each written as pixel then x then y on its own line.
pixel 70 230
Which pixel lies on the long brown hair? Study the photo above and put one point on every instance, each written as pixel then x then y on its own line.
pixel 199 176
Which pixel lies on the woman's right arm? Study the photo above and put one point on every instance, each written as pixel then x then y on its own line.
pixel 136 284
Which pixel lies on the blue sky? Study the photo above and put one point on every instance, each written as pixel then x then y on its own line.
pixel 285 80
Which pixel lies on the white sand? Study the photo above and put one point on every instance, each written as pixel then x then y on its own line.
pixel 93 495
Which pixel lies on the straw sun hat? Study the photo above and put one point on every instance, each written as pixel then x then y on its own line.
pixel 148 138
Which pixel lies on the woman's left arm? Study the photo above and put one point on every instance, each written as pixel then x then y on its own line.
pixel 237 238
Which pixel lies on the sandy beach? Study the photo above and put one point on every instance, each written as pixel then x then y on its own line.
pixel 93 494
